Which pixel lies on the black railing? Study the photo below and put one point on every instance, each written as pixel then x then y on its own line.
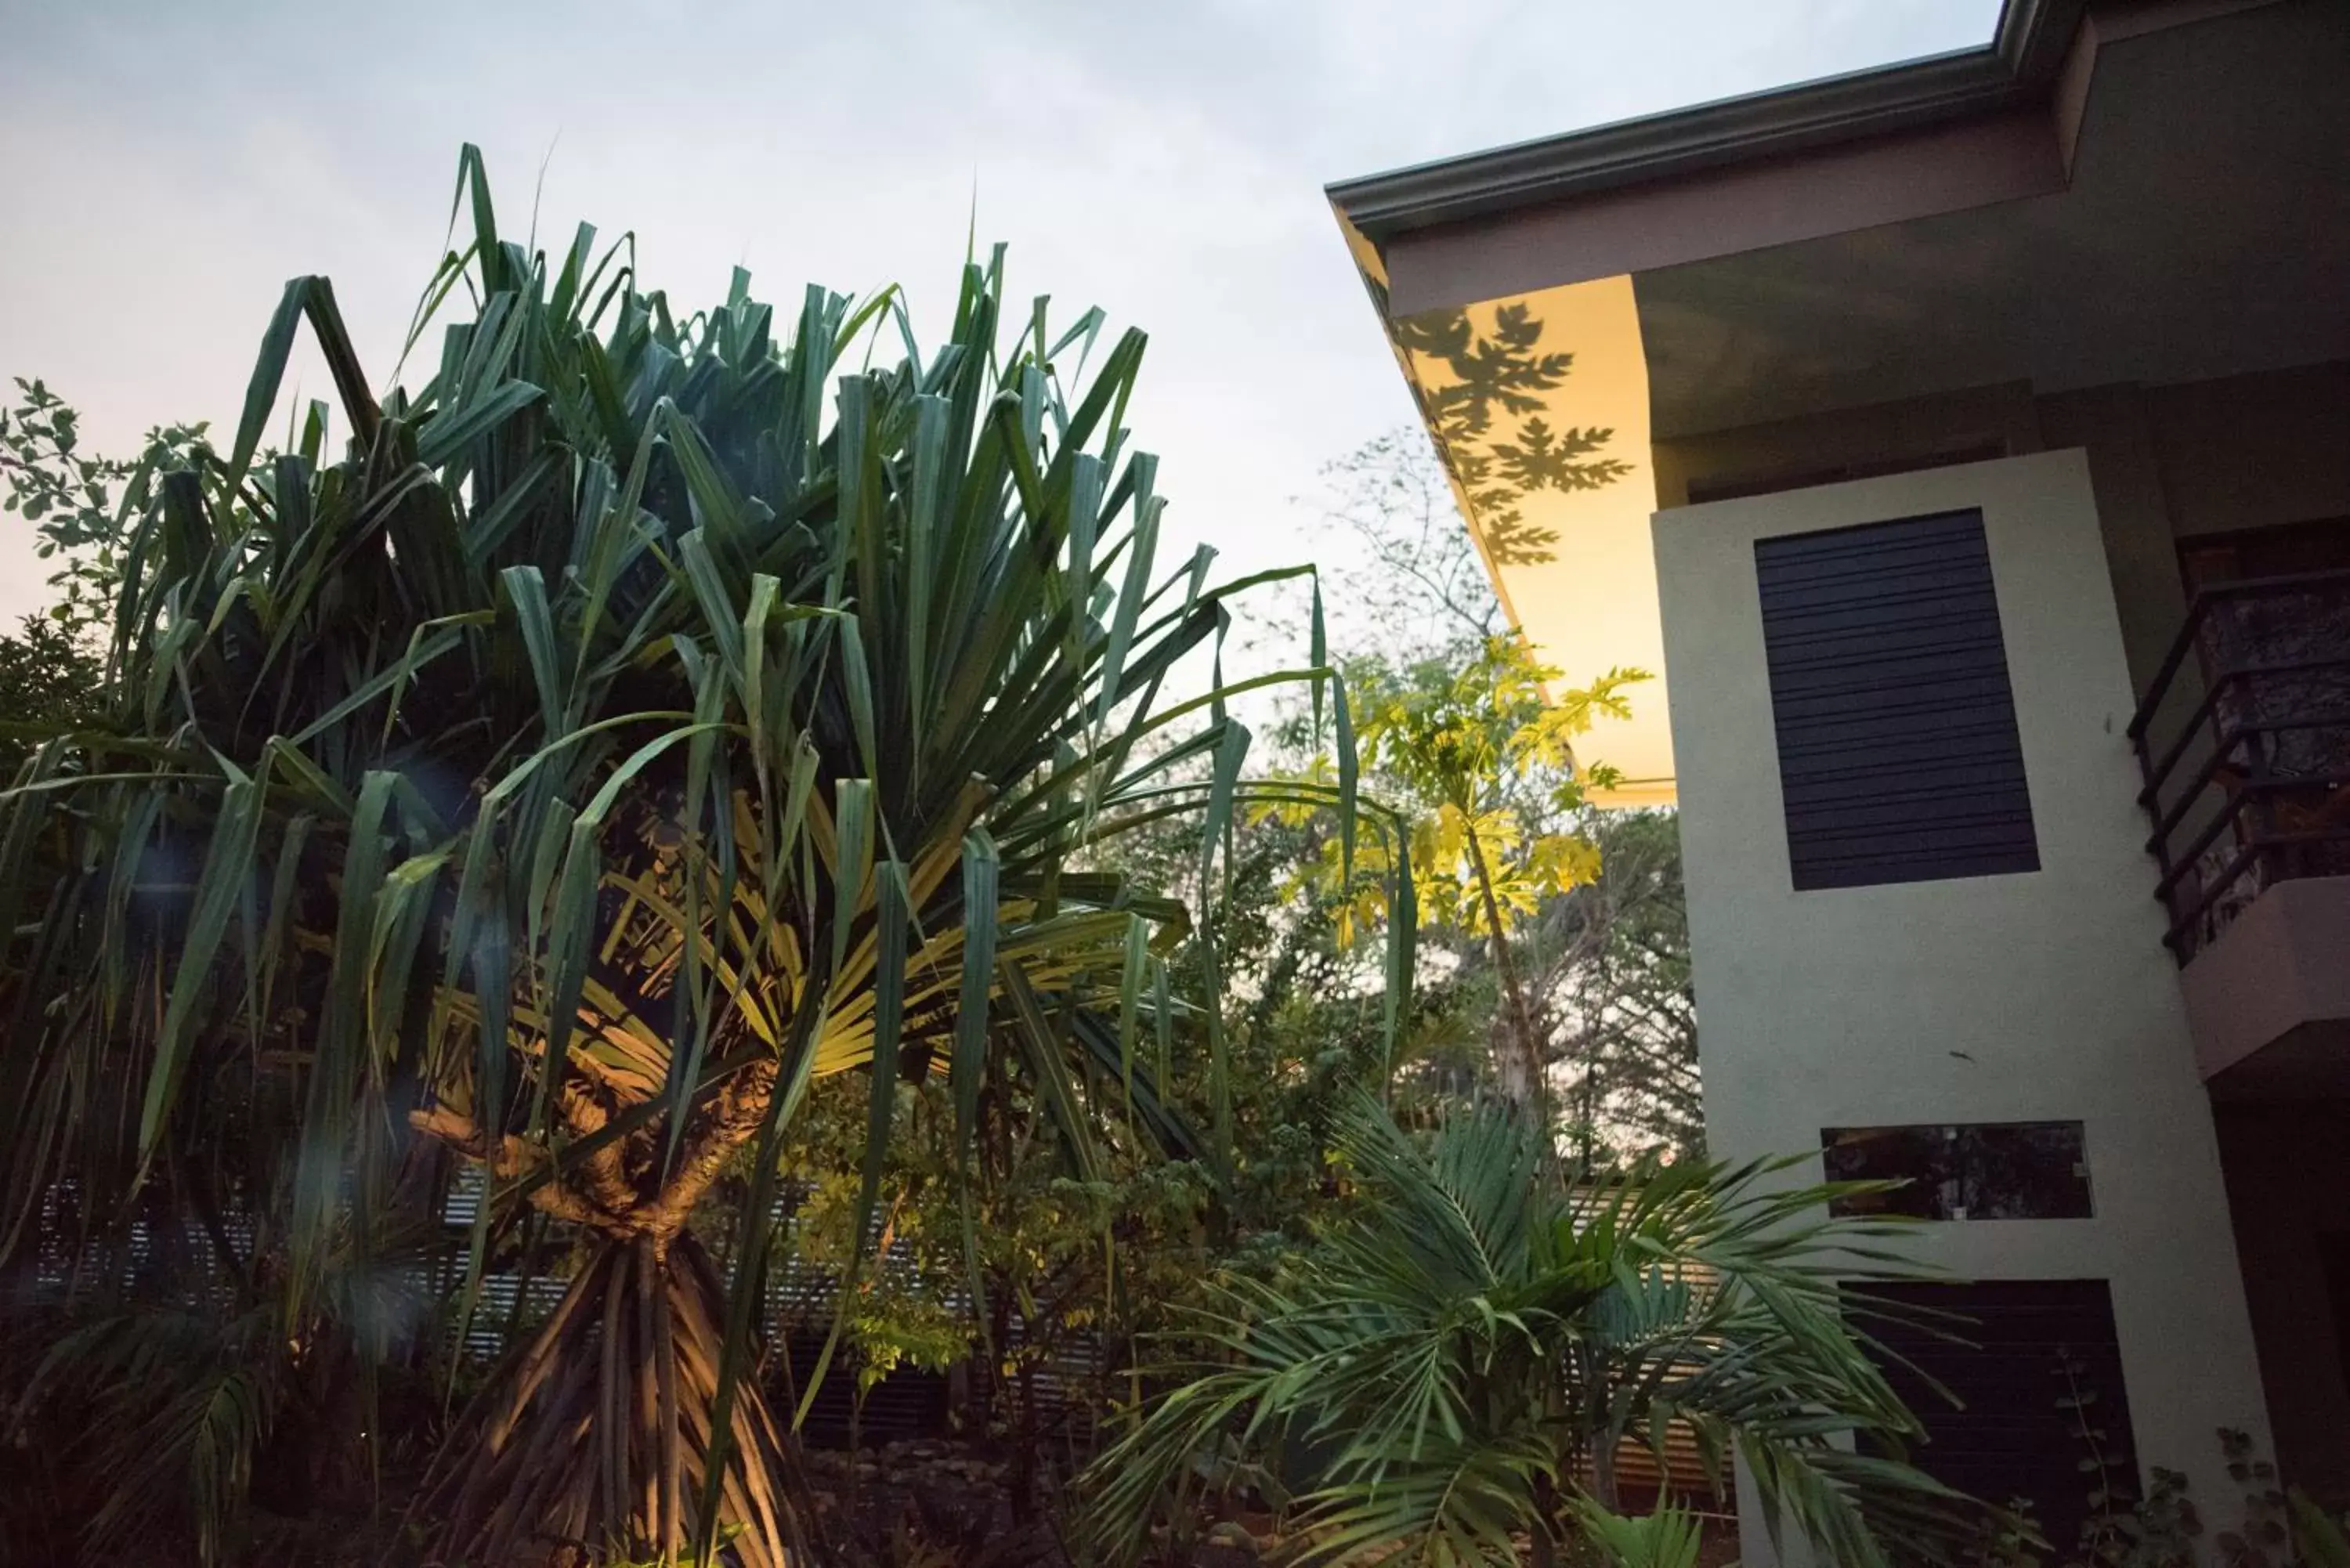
pixel 2243 739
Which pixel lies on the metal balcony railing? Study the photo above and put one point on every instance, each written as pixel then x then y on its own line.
pixel 2243 739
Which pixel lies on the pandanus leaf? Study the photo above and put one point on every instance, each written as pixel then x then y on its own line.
pixel 620 733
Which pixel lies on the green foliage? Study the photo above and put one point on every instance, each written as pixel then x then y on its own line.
pixel 1483 751
pixel 174 1407
pixel 2318 1534
pixel 48 681
pixel 2280 1528
pixel 586 766
pixel 1477 1339
pixel 1667 1538
pixel 174 1410
pixel 1611 962
pixel 1586 992
pixel 1068 1270
pixel 644 719
pixel 83 507
pixel 1062 1255
pixel 1479 754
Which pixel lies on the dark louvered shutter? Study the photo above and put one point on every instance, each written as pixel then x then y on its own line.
pixel 2036 1369
pixel 1897 750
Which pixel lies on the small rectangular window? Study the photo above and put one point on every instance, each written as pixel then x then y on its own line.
pixel 1979 1171
pixel 1899 760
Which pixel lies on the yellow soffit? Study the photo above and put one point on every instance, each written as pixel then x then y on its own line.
pixel 1539 406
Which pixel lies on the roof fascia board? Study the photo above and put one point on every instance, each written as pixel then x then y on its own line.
pixel 2022 59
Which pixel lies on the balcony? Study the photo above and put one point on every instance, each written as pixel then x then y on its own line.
pixel 2243 739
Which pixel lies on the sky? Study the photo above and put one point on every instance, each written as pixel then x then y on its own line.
pixel 165 165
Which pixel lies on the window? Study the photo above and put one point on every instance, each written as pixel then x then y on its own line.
pixel 1898 756
pixel 2036 1370
pixel 1981 1170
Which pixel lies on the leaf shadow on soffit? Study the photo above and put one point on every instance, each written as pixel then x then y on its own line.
pixel 1488 421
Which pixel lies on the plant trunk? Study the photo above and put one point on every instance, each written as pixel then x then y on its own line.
pixel 1543 1552
pixel 1603 1475
pixel 1547 1532
pixel 1520 1058
pixel 595 1439
pixel 1027 1443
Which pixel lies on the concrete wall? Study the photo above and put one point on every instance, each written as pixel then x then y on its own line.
pixel 2289 1186
pixel 2113 426
pixel 2041 996
pixel 2166 463
pixel 2246 452
pixel 1918 429
pixel 2281 966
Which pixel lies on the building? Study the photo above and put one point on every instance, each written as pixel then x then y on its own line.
pixel 1984 512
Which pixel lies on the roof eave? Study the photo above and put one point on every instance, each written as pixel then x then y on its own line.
pixel 2022 59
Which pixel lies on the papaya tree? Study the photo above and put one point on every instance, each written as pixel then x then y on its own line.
pixel 1476 755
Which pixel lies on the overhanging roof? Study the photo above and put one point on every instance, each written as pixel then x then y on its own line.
pixel 1972 218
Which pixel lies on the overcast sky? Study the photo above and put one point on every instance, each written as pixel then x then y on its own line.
pixel 167 164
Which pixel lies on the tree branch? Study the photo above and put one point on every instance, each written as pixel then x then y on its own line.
pixel 721 1128
pixel 509 1159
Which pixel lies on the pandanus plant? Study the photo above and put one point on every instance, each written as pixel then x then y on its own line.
pixel 640 719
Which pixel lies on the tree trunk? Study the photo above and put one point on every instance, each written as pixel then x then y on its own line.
pixel 1520 1060
pixel 596 1438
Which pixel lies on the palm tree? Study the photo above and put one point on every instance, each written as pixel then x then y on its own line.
pixel 640 719
pixel 1460 1366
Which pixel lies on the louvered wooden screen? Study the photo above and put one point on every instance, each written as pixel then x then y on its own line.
pixel 1898 756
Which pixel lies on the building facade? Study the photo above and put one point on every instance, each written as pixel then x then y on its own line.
pixel 1986 522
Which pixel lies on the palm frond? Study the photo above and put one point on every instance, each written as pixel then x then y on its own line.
pixel 1481 1341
